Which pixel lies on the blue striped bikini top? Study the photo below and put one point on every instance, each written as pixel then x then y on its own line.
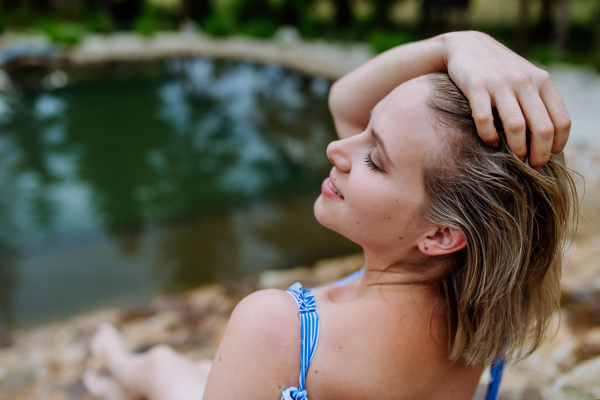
pixel 309 336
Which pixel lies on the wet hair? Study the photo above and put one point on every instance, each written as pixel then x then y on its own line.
pixel 498 295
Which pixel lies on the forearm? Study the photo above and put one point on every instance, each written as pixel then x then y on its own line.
pixel 354 95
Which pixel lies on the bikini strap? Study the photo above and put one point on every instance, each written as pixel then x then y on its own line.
pixel 495 378
pixel 309 336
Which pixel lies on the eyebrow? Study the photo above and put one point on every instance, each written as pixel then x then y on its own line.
pixel 380 143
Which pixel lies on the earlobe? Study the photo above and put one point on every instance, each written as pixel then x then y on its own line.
pixel 442 241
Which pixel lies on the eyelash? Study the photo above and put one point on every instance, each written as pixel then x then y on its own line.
pixel 372 166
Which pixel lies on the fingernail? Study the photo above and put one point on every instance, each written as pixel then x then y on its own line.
pixel 495 144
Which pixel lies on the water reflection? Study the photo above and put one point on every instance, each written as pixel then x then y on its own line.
pixel 157 177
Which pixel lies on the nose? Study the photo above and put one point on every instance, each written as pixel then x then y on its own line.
pixel 338 154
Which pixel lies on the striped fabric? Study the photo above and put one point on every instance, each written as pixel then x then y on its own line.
pixel 309 336
pixel 496 377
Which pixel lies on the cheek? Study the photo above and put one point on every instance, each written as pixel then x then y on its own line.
pixel 383 216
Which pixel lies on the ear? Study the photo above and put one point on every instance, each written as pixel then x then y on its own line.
pixel 442 240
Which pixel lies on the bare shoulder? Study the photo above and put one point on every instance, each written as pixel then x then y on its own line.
pixel 259 354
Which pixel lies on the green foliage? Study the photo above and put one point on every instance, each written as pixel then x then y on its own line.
pixel 69 33
pixel 260 28
pixel 146 24
pixel 542 54
pixel 217 25
pixel 596 61
pixel 20 16
pixel 381 41
pixel 99 23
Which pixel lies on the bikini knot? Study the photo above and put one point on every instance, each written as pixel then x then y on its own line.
pixel 294 394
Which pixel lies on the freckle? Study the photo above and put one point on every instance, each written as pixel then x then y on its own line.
pixel 426 248
pixel 396 199
pixel 357 222
pixel 340 347
pixel 219 358
pixel 316 370
pixel 389 217
pixel 400 238
pixel 279 387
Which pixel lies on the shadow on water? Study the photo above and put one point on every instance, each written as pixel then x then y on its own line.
pixel 137 179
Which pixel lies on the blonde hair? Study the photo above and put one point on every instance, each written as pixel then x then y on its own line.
pixel 500 292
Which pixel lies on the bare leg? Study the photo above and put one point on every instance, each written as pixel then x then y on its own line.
pixel 159 374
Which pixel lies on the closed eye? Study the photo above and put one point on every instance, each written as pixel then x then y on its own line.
pixel 371 164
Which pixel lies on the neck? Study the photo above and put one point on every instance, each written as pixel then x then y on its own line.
pixel 410 269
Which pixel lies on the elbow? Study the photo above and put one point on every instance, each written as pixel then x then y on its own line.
pixel 335 100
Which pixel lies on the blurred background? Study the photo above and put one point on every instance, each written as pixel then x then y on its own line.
pixel 540 29
pixel 120 180
pixel 148 147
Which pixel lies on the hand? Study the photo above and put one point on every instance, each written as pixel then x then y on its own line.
pixel 492 76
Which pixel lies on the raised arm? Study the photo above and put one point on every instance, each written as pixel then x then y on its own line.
pixel 488 73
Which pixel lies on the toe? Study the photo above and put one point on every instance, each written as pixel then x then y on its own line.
pixel 103 386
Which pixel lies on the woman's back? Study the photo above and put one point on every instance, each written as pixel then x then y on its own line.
pixel 393 333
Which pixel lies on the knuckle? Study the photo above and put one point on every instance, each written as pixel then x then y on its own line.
pixel 564 123
pixel 477 83
pixel 482 118
pixel 515 125
pixel 543 77
pixel 545 130
pixel 521 78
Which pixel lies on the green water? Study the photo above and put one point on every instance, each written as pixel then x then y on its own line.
pixel 140 179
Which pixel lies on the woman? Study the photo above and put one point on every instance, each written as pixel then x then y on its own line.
pixel 462 221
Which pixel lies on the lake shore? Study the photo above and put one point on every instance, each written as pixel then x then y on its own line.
pixel 47 361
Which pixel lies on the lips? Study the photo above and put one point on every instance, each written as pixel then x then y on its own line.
pixel 329 190
pixel 334 188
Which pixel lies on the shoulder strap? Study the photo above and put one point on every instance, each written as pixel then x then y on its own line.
pixel 309 333
pixel 496 377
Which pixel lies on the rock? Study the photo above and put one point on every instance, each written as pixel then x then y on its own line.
pixel 331 270
pixel 582 383
pixel 287 34
pixel 589 346
pixel 560 348
pixel 282 279
pixel 581 283
pixel 87 323
pixel 209 298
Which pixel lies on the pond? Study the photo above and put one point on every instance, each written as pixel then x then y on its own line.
pixel 138 179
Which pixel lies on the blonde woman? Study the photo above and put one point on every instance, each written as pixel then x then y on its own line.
pixel 455 187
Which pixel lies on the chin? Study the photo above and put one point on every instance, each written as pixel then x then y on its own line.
pixel 321 214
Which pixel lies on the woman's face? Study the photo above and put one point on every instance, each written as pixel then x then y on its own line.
pixel 378 174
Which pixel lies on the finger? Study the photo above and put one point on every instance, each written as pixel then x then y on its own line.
pixel 481 106
pixel 540 124
pixel 558 114
pixel 513 122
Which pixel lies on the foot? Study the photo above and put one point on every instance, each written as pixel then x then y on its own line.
pixel 103 386
pixel 107 346
pixel 109 352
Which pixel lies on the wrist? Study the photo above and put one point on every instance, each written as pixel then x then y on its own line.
pixel 443 42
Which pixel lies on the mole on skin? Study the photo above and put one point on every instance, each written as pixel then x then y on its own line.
pixel 219 358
